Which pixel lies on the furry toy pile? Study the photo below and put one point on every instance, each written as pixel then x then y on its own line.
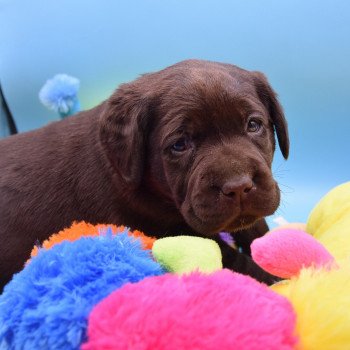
pixel 105 287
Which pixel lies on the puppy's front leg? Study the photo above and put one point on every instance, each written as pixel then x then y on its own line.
pixel 241 261
pixel 245 238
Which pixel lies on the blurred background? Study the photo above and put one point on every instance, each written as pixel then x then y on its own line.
pixel 302 46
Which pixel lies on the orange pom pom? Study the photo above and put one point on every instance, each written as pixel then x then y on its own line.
pixel 84 229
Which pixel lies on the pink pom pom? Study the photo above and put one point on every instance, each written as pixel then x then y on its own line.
pixel 223 310
pixel 285 252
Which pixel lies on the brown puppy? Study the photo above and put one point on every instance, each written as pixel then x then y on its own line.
pixel 187 150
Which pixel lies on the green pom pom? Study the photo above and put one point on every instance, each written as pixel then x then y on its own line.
pixel 184 254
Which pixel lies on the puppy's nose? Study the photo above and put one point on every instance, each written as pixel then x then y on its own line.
pixel 238 187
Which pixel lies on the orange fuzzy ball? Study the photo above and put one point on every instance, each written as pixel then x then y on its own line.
pixel 83 229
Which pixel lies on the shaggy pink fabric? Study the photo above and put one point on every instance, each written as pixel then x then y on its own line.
pixel 285 252
pixel 223 310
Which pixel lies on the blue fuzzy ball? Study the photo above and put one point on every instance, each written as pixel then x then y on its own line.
pixel 46 305
pixel 60 94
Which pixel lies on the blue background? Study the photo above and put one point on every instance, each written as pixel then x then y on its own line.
pixel 302 46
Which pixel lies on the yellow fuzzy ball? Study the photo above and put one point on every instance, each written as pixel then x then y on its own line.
pixel 329 222
pixel 321 297
pixel 185 254
pixel 321 301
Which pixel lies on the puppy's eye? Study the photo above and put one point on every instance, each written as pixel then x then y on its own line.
pixel 181 145
pixel 254 125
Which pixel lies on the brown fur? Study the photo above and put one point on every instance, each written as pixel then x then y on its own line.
pixel 116 163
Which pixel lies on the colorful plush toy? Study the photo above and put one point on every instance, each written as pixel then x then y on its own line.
pixel 60 94
pixel 329 222
pixel 186 254
pixel 223 310
pixel 319 271
pixel 47 305
pixel 98 287
pixel 286 251
pixel 84 229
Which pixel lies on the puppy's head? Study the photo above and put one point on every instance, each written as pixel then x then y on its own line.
pixel 201 136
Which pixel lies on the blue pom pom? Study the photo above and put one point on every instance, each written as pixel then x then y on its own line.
pixel 46 305
pixel 60 94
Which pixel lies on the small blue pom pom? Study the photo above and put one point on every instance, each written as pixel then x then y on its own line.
pixel 60 94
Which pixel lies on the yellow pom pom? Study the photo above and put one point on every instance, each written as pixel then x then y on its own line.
pixel 329 222
pixel 321 301
pixel 185 254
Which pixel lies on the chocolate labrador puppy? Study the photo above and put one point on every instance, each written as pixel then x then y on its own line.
pixel 186 150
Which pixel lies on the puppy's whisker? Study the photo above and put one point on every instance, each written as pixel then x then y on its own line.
pixel 279 174
pixel 285 189
pixel 279 171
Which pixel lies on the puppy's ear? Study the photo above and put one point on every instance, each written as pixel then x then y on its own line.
pixel 124 130
pixel 269 98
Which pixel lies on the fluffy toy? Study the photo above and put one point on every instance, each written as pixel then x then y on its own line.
pixel 184 254
pixel 286 251
pixel 49 303
pixel 46 305
pixel 60 94
pixel 84 229
pixel 223 310
pixel 319 285
pixel 329 222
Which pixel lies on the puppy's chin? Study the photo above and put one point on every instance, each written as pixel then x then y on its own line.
pixel 212 226
pixel 211 222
